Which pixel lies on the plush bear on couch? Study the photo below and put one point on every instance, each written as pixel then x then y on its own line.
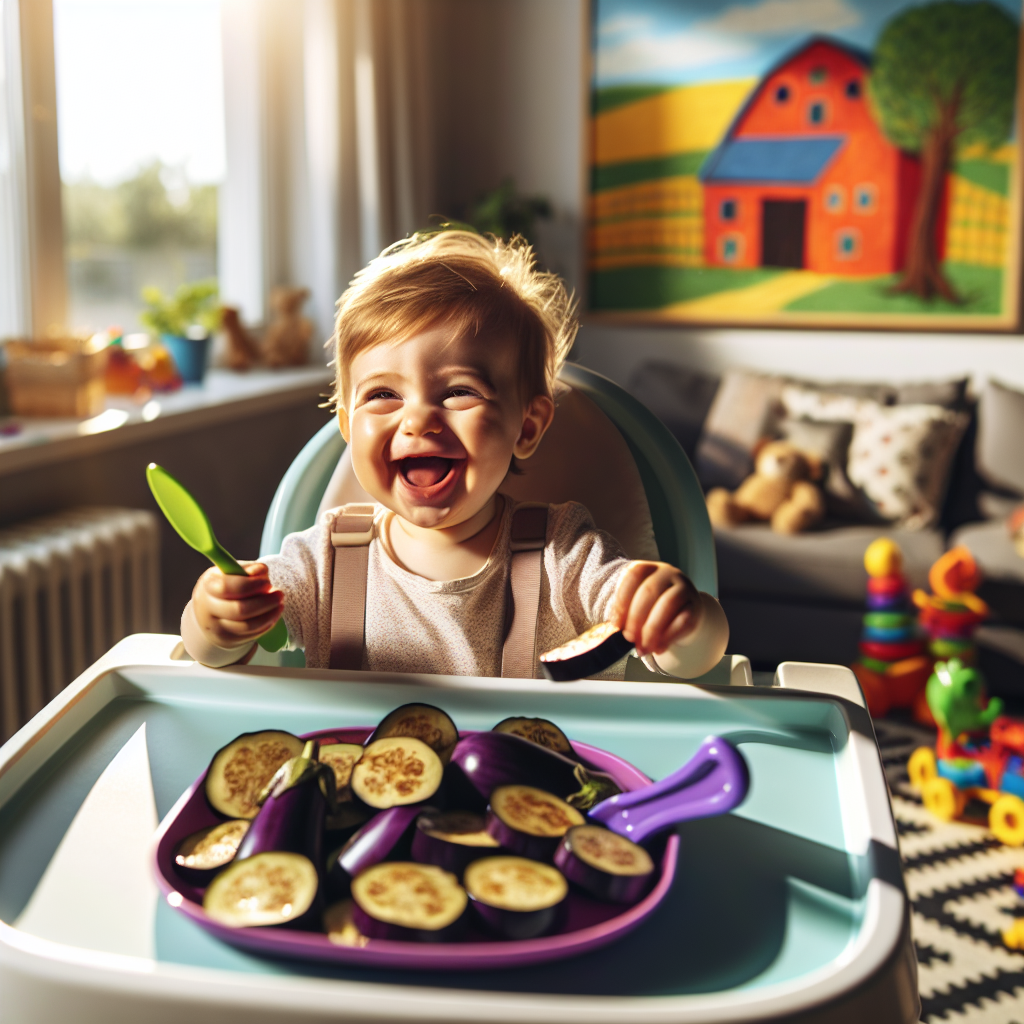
pixel 781 490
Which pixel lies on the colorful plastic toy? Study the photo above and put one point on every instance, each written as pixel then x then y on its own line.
pixel 952 612
pixel 1013 937
pixel 892 668
pixel 965 763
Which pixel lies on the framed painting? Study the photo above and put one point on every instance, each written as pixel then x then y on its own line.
pixel 805 162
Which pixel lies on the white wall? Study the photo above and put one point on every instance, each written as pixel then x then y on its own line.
pixel 512 103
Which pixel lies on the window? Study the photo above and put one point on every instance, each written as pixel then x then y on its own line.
pixel 853 89
pixel 835 199
pixel 729 247
pixel 727 209
pixel 865 198
pixel 848 244
pixel 817 75
pixel 141 141
pixel 782 94
pixel 816 112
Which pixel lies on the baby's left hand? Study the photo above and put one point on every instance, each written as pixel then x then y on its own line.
pixel 655 605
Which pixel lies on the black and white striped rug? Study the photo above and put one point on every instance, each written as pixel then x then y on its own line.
pixel 960 883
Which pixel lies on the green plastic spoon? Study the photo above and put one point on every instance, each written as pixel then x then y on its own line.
pixel 186 515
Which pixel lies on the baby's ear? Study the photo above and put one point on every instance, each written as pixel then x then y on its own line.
pixel 536 420
pixel 343 424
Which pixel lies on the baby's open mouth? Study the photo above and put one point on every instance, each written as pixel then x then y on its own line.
pixel 425 470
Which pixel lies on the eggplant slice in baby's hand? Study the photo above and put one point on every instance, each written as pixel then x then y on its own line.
pixel 606 865
pixel 591 652
pixel 408 902
pixel 239 771
pixel 422 722
pixel 516 897
pixel 396 771
pixel 265 890
pixel 529 821
pixel 539 731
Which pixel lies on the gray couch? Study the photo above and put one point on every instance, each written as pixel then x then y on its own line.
pixel 801 598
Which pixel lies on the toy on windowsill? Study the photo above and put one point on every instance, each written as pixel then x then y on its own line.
pixel 137 368
pixel 952 612
pixel 978 755
pixel 892 668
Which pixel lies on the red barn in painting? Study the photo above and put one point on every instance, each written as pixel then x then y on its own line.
pixel 804 176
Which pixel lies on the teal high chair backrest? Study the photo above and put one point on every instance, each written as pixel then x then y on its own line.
pixel 678 514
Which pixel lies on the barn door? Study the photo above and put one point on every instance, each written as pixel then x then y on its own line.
pixel 783 222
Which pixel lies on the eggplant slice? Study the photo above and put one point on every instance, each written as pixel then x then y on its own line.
pixel 342 758
pixel 340 928
pixel 211 848
pixel 605 864
pixel 401 900
pixel 267 889
pixel 451 840
pixel 516 897
pixel 239 771
pixel 591 652
pixel 530 821
pixel 539 731
pixel 422 722
pixel 396 771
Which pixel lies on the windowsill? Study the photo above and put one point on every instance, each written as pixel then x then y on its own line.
pixel 224 395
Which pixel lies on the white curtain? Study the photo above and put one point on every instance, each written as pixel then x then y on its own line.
pixel 328 142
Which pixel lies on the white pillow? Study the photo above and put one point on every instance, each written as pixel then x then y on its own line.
pixel 900 455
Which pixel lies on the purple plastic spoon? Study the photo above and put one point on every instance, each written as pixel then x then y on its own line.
pixel 712 782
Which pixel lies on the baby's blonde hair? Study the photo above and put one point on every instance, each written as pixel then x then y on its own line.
pixel 464 281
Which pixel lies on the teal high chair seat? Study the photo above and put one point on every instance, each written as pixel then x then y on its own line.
pixel 681 529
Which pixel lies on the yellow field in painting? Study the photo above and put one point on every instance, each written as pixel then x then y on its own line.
pixel 689 119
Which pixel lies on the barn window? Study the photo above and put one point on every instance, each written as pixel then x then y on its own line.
pixel 727 210
pixel 818 75
pixel 782 94
pixel 730 248
pixel 848 244
pixel 853 89
pixel 865 198
pixel 835 199
pixel 816 112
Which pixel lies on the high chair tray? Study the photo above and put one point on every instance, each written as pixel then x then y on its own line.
pixel 791 905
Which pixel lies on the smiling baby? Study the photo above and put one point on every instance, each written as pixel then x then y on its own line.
pixel 447 347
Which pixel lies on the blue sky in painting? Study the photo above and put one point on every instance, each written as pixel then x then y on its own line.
pixel 683 41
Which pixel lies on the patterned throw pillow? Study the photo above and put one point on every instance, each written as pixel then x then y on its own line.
pixel 900 455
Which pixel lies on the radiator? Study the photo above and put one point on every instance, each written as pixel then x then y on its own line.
pixel 71 585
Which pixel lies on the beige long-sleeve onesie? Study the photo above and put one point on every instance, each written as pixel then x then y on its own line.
pixel 452 627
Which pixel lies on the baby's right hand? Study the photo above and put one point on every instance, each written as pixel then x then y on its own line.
pixel 234 610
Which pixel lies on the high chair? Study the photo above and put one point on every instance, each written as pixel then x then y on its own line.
pixel 791 907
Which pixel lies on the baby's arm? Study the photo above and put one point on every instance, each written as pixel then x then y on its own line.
pixel 228 613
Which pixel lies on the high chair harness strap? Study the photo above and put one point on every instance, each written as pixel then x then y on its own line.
pixel 351 534
pixel 529 532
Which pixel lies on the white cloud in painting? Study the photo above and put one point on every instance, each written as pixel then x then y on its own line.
pixel 624 23
pixel 780 17
pixel 680 51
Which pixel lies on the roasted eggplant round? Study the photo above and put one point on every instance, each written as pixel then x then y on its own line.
pixel 451 839
pixel 239 771
pixel 539 731
pixel 396 771
pixel 209 849
pixel 340 928
pixel 408 902
pixel 341 757
pixel 591 652
pixel 422 722
pixel 516 897
pixel 529 821
pixel 268 889
pixel 605 864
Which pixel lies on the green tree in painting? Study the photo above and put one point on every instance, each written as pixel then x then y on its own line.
pixel 944 78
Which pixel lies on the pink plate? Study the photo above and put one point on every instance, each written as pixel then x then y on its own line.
pixel 588 924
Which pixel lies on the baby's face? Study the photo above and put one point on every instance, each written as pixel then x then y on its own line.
pixel 433 423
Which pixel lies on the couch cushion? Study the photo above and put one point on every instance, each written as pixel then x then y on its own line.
pixel 993 550
pixel 678 396
pixel 824 565
pixel 1000 429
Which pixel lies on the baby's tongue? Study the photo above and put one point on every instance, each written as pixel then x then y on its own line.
pixel 425 471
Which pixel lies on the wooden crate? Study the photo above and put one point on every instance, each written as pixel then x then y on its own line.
pixel 57 377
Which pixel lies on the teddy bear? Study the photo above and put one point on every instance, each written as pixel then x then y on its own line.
pixel 781 489
pixel 243 351
pixel 286 341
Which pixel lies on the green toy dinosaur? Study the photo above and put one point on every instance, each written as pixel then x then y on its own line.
pixel 956 696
